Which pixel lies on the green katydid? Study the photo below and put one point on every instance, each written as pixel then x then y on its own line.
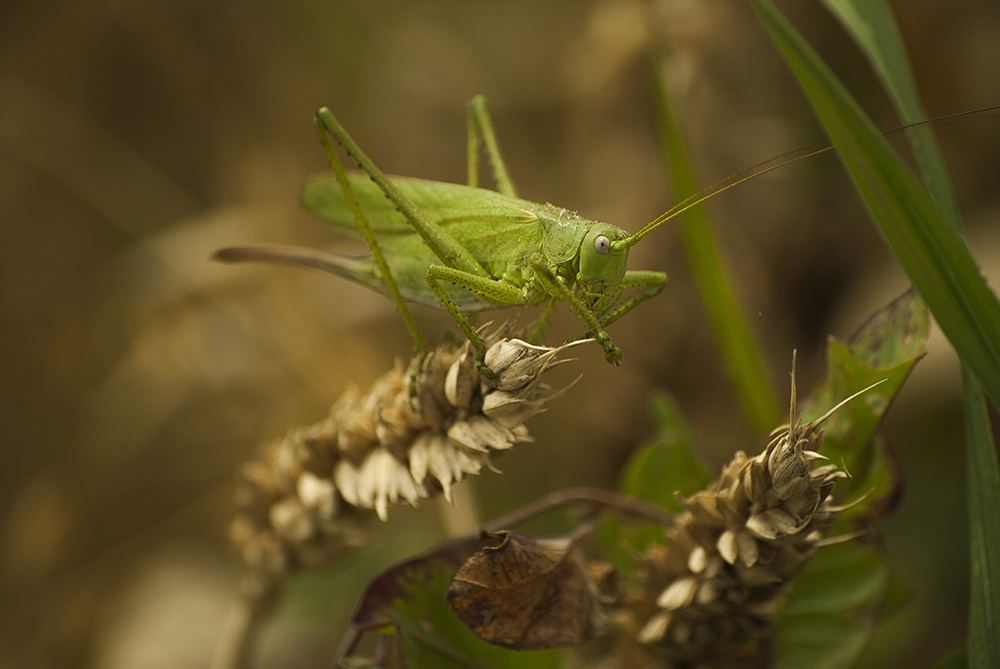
pixel 467 248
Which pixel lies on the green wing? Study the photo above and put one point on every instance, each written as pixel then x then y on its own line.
pixel 495 228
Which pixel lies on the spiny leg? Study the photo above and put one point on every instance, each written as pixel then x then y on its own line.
pixel 555 285
pixel 438 240
pixel 481 128
pixel 376 251
pixel 636 279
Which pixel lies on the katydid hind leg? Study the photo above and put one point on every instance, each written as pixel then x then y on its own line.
pixel 481 129
pixel 448 250
pixel 373 246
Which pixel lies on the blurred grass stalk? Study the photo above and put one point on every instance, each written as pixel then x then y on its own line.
pixel 742 357
pixel 924 232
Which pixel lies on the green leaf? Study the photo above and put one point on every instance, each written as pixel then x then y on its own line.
pixel 871 24
pixel 830 612
pixel 656 472
pixel 933 254
pixel 946 275
pixel 954 660
pixel 884 349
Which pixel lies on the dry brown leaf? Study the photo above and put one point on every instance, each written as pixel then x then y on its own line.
pixel 524 594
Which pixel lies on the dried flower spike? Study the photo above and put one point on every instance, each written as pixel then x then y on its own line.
pixel 712 586
pixel 300 505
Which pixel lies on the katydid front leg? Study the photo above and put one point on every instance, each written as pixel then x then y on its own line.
pixel 633 279
pixel 557 286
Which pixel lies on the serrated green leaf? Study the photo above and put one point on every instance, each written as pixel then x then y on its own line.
pixel 884 349
pixel 829 614
pixel 895 334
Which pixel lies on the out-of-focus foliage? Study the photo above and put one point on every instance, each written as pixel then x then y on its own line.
pixel 136 138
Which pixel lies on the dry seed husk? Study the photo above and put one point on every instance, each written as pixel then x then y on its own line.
pixel 710 592
pixel 302 505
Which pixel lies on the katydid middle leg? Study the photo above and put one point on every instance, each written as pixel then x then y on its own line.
pixel 497 291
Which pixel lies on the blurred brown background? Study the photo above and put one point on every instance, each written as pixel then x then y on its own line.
pixel 135 374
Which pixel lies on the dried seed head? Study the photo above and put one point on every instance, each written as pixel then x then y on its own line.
pixel 715 582
pixel 298 504
pixel 517 364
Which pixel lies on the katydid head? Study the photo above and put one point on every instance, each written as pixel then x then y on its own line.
pixel 602 266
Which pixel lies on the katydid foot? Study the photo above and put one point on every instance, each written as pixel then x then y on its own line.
pixel 612 353
pixel 483 370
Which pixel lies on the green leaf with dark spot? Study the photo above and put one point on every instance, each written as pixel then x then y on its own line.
pixel 895 334
pixel 884 349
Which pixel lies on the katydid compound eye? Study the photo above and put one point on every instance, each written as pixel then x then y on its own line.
pixel 602 245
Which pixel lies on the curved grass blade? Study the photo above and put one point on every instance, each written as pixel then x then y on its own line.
pixel 984 530
pixel 933 254
pixel 871 24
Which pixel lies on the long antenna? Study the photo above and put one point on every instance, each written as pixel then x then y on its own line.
pixel 762 168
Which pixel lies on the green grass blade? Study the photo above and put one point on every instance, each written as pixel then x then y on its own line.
pixel 933 255
pixel 984 530
pixel 742 357
pixel 871 24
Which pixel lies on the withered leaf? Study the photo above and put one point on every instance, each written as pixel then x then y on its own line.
pixel 524 594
